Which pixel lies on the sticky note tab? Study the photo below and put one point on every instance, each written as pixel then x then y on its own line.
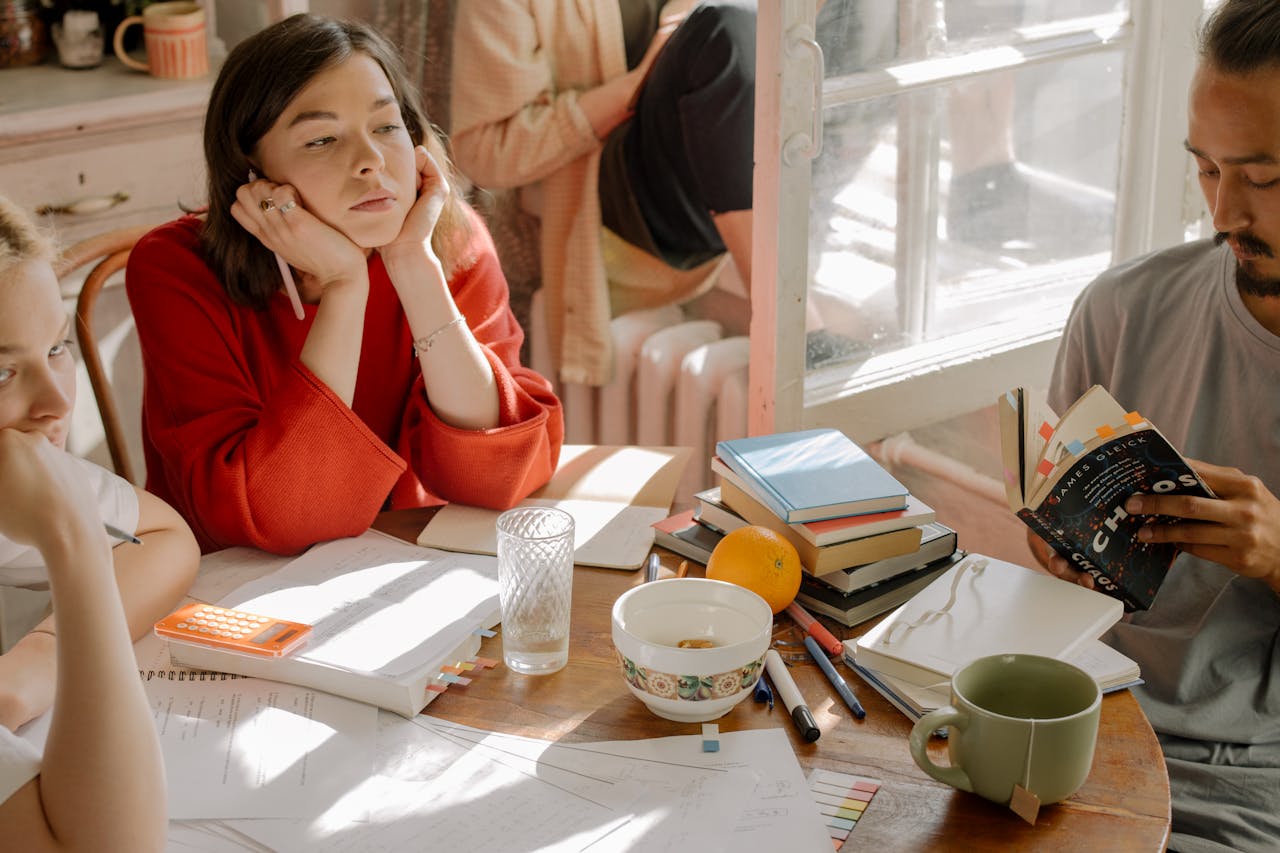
pixel 1075 447
pixel 454 679
pixel 1046 431
pixel 487 663
pixel 841 799
pixel 485 632
pixel 437 688
pixel 1045 467
pixel 710 737
pixel 1105 431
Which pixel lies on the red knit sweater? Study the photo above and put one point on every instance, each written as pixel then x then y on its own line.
pixel 253 449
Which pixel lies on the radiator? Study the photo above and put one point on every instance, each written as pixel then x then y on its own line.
pixel 676 382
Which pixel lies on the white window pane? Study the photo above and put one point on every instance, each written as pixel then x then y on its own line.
pixel 996 20
pixel 933 208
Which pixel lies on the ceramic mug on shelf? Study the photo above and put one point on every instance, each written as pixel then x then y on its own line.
pixel 78 37
pixel 174 35
pixel 1015 719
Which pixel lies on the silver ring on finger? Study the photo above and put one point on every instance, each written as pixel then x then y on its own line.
pixel 288 206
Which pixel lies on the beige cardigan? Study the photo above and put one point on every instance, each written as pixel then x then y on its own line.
pixel 518 66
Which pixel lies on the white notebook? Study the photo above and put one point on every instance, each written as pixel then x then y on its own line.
pixel 984 606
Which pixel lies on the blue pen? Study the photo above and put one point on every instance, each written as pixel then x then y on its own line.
pixel 763 693
pixel 837 681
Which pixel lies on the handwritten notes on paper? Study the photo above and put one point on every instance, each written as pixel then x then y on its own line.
pixel 250 748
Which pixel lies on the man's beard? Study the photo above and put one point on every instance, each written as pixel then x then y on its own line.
pixel 1247 282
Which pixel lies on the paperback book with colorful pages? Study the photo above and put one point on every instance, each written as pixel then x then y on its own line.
pixel 393 624
pixel 983 606
pixel 1068 479
pixel 812 474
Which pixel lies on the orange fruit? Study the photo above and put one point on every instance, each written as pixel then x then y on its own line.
pixel 760 560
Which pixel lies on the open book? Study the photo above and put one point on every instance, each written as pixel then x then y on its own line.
pixel 984 606
pixel 1068 479
pixel 615 495
pixel 390 620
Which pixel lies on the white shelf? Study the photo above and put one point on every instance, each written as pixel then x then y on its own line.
pixel 48 101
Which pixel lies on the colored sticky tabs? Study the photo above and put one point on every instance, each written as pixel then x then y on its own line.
pixel 1046 431
pixel 710 737
pixel 437 688
pixel 454 679
pixel 1075 447
pixel 486 663
pixel 1133 419
pixel 1105 431
pixel 485 632
pixel 1045 467
pixel 842 798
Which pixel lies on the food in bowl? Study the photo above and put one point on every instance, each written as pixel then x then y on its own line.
pixel 691 684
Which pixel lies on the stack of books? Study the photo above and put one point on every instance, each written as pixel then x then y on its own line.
pixel 865 543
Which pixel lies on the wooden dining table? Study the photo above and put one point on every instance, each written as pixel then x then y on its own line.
pixel 1123 805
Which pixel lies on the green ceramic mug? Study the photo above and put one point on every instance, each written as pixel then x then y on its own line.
pixel 1015 720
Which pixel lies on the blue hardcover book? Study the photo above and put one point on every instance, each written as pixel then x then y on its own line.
pixel 812 475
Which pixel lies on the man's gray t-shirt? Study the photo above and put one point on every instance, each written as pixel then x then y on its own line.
pixel 1169 336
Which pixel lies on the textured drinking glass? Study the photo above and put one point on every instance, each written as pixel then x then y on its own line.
pixel 535 576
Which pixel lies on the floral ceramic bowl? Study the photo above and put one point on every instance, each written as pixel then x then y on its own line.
pixel 724 629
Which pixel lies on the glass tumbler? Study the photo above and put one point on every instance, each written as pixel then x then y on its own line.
pixel 535 577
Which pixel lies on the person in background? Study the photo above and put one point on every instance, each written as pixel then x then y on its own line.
pixel 628 127
pixel 99 784
pixel 395 379
pixel 1190 337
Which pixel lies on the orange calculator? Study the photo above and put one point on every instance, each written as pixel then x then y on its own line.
pixel 233 630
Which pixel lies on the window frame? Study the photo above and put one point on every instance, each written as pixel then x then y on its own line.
pixel 958 374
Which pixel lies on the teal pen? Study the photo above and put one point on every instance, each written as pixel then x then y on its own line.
pixel 122 535
pixel 837 681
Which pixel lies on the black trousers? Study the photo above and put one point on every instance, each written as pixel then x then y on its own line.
pixel 686 154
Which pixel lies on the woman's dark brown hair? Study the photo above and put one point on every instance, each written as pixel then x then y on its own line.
pixel 261 76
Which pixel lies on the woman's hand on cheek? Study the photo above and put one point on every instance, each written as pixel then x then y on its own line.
pixel 433 191
pixel 273 213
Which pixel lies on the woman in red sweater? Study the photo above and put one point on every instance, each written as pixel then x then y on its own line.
pixel 392 379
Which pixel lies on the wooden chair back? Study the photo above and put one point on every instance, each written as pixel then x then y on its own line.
pixel 108 253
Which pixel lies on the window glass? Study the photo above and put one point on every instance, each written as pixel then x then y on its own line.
pixel 943 209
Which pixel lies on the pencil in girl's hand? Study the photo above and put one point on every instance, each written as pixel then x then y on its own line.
pixel 117 533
